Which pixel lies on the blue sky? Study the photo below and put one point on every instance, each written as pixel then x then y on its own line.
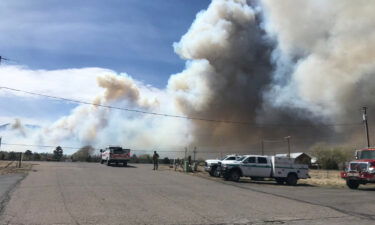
pixel 129 36
pixel 126 36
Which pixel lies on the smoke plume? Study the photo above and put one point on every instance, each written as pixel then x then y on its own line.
pixel 280 68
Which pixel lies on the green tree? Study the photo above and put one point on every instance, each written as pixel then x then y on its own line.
pixel 58 153
pixel 332 158
pixel 27 155
pixel 36 156
pixel 166 160
pixel 12 156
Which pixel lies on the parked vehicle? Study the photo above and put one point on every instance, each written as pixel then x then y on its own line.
pixel 115 154
pixel 361 170
pixel 282 169
pixel 212 166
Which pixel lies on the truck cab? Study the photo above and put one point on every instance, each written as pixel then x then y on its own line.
pixel 115 154
pixel 212 166
pixel 361 170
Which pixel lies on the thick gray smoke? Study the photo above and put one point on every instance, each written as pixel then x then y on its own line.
pixel 293 66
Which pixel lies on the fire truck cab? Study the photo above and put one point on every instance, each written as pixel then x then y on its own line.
pixel 361 170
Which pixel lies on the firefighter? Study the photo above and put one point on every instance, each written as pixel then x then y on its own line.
pixel 155 158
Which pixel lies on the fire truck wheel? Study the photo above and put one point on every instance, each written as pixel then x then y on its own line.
pixel 235 175
pixel 352 184
pixel 291 179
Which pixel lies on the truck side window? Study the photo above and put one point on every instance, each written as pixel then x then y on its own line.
pixel 231 158
pixel 250 160
pixel 262 160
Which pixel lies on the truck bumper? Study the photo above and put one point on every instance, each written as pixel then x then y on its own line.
pixel 363 177
pixel 207 168
pixel 118 160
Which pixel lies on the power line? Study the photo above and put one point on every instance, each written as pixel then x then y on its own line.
pixel 245 123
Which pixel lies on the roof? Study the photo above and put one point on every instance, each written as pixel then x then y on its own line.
pixel 293 155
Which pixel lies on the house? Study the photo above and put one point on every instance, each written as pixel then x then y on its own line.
pixel 300 157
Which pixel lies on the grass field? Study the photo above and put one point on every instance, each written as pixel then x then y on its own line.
pixel 324 178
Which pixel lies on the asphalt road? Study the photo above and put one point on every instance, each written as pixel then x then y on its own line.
pixel 88 193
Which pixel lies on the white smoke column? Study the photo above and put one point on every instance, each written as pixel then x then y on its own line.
pixel 326 49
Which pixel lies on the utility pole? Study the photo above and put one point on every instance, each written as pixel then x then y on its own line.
pixel 364 110
pixel 194 152
pixel 20 160
pixel 185 152
pixel 288 140
pixel 262 146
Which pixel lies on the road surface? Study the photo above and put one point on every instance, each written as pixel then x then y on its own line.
pixel 88 193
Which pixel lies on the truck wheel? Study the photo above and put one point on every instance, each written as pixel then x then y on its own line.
pixel 280 181
pixel 235 175
pixel 101 161
pixel 125 164
pixel 291 179
pixel 352 184
pixel 217 172
pixel 212 171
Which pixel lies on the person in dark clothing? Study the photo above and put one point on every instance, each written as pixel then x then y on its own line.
pixel 155 158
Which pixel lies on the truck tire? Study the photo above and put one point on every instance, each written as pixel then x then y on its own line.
pixel 291 179
pixel 352 184
pixel 212 171
pixel 279 180
pixel 217 172
pixel 101 161
pixel 124 164
pixel 235 175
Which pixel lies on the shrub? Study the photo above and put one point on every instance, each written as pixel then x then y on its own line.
pixel 332 158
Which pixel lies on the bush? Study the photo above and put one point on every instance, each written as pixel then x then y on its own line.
pixel 166 160
pixel 332 158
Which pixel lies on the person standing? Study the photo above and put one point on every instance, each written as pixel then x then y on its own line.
pixel 155 158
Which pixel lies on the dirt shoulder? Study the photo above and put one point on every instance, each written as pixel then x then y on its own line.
pixel 12 167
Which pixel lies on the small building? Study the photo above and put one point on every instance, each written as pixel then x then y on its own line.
pixel 300 157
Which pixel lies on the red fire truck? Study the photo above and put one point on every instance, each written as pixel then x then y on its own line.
pixel 361 170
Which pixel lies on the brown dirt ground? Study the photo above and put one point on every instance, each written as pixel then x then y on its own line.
pixel 8 167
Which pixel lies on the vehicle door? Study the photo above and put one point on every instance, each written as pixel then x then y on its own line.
pixel 263 167
pixel 248 166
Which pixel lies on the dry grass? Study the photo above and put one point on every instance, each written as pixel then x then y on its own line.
pixel 324 178
pixel 9 167
pixel 319 178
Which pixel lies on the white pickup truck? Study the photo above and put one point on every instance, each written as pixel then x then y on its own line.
pixel 212 165
pixel 282 169
pixel 115 154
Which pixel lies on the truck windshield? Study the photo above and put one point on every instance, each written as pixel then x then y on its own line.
pixel 367 154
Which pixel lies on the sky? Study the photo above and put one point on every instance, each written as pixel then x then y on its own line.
pixel 124 36
pixel 129 36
